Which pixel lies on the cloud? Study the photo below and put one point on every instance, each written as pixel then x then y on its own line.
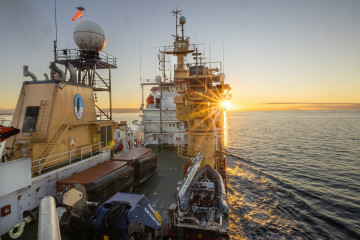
pixel 23 25
pixel 317 106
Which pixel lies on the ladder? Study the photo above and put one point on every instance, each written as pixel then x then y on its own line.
pixel 51 144
pixel 197 161
pixel 41 118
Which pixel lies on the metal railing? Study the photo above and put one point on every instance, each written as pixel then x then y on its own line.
pixel 2 122
pixel 39 166
pixel 185 151
pixel 183 48
pixel 75 54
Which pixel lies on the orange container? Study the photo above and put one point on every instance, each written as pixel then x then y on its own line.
pixel 132 154
pixel 89 175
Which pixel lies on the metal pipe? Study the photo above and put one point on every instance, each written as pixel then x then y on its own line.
pixel 29 74
pixel 142 96
pixel 48 228
pixel 72 71
pixel 54 69
pixel 161 93
pixel 110 92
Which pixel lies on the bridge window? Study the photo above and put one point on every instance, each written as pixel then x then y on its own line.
pixel 30 120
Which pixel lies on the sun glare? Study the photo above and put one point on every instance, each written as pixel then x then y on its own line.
pixel 226 104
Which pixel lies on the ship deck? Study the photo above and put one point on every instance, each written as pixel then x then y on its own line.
pixel 160 189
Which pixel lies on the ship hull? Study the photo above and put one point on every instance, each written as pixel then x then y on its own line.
pixel 24 193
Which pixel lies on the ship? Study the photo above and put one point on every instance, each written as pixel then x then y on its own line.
pixel 66 140
pixel 58 131
pixel 186 114
pixel 159 121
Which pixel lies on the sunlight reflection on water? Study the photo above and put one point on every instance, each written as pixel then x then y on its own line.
pixel 294 175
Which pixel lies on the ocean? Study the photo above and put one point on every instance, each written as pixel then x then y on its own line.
pixel 291 175
pixel 294 175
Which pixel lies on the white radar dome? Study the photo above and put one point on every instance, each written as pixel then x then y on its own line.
pixel 182 20
pixel 158 79
pixel 89 35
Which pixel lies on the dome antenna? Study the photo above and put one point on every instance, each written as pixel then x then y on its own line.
pixel 182 22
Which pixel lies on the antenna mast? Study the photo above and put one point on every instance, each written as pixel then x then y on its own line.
pixel 55 42
pixel 80 9
pixel 223 63
pixel 140 63
pixel 55 24
pixel 176 13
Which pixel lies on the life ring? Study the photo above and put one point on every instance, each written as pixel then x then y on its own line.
pixel 17 230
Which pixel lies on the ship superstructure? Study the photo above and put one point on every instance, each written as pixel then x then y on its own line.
pixel 188 108
pixel 62 131
pixel 58 114
pixel 159 114
pixel 63 138
pixel 201 206
pixel 201 92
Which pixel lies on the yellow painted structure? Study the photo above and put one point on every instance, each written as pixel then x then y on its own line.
pixel 57 118
pixel 202 91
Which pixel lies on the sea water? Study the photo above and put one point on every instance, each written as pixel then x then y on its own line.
pixel 291 175
pixel 294 175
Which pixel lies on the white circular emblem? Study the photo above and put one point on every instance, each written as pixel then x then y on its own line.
pixel 78 106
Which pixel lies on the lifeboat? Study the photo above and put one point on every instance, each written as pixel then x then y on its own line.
pixel 6 131
pixel 150 99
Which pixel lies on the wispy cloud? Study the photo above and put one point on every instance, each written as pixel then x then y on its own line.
pixel 317 106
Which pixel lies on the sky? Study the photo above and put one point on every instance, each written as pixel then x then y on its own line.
pixel 278 54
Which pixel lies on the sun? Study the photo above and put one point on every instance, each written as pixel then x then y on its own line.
pixel 226 104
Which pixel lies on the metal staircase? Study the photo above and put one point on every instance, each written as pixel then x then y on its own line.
pixel 41 118
pixel 51 144
pixel 183 151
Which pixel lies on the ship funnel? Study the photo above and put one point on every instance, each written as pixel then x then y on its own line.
pixel 29 74
pixel 72 71
pixel 56 72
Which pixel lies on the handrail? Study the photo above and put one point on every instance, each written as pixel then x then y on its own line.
pixel 103 113
pixel 2 120
pixel 75 154
pixel 74 54
pixel 183 151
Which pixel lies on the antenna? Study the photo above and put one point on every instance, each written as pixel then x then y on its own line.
pixel 209 55
pixel 55 24
pixel 155 62
pixel 80 9
pixel 140 64
pixel 176 12
pixel 223 70
pixel 55 42
pixel 142 87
